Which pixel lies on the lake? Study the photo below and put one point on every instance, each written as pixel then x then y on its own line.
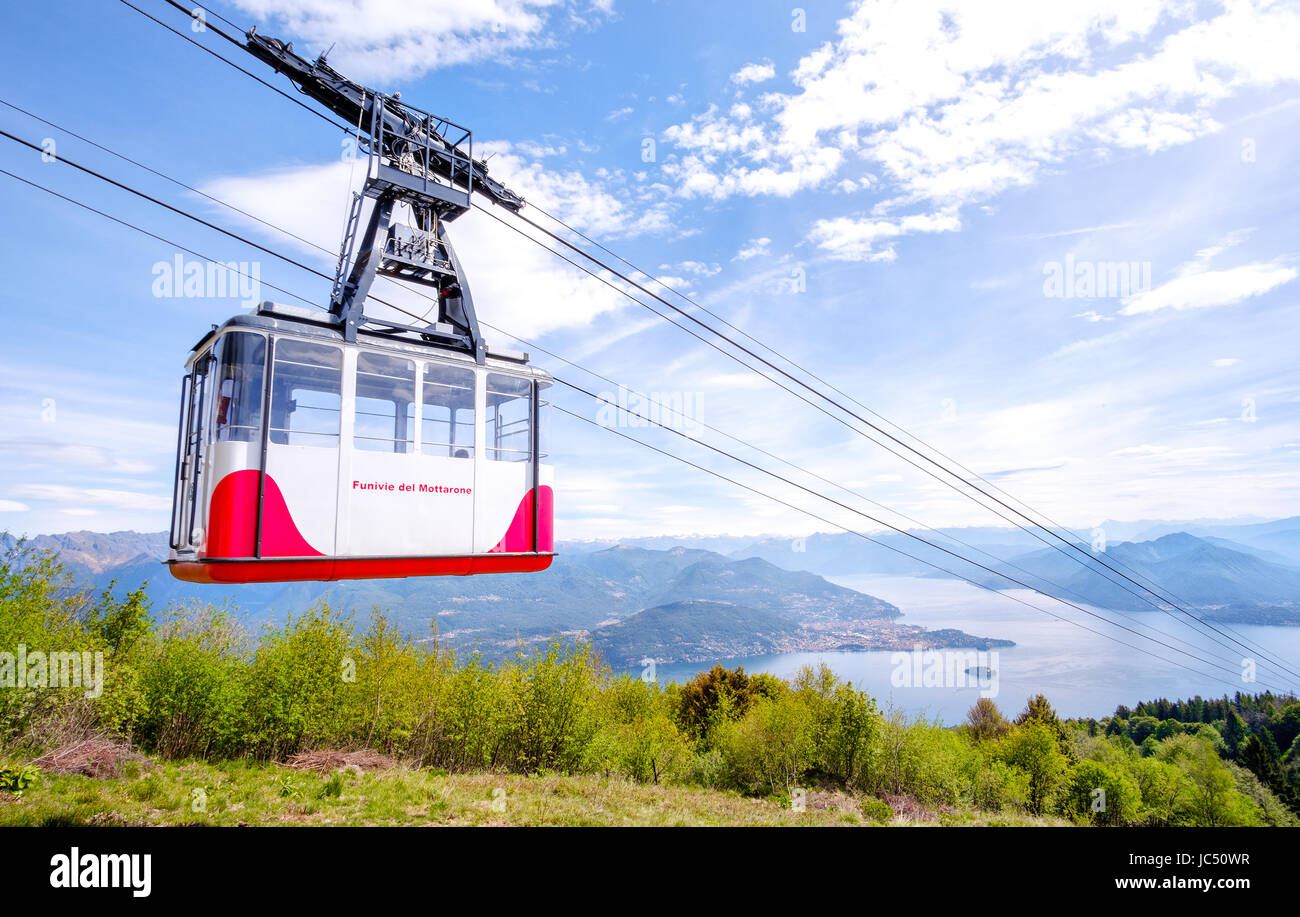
pixel 1082 673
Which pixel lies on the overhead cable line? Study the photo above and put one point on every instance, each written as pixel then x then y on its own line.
pixel 839 391
pixel 787 480
pixel 1088 559
pixel 1032 522
pixel 1057 548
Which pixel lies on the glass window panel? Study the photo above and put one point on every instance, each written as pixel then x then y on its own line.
pixel 448 425
pixel 238 390
pixel 543 421
pixel 385 403
pixel 306 394
pixel 509 418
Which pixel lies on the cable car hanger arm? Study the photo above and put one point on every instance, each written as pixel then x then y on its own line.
pixel 404 129
pixel 415 159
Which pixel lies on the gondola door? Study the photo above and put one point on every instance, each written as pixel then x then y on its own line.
pixel 408 485
pixel 298 495
pixel 189 498
pixel 514 502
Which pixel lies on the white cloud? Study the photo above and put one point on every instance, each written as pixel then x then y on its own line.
pixel 83 454
pixel 381 40
pixel 91 496
pixel 754 73
pixel 1224 362
pixel 619 113
pixel 1210 288
pixel 606 204
pixel 952 105
pixel 1083 230
pixel 698 268
pixel 13 506
pixel 753 248
pixel 856 239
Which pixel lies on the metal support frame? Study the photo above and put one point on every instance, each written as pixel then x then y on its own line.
pixel 414 158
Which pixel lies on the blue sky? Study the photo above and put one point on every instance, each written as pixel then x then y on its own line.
pixel 886 195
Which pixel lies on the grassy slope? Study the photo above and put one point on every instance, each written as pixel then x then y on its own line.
pixel 239 792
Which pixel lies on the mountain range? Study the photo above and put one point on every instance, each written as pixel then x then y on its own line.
pixel 1244 573
pixel 702 597
pixel 675 605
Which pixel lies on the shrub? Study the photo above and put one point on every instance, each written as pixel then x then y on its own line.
pixel 191 687
pixel 876 810
pixel 1032 748
pixel 845 722
pixel 714 697
pixel 1101 795
pixel 771 747
pixel 919 759
pixel 297 694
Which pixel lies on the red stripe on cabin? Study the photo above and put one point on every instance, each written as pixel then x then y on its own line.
pixel 232 520
pixel 519 537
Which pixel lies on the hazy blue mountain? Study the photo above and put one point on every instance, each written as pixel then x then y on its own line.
pixel 707 630
pixel 1239 571
pixel 679 604
pixel 1212 576
pixel 1273 557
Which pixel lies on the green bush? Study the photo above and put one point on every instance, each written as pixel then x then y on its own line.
pixel 17 779
pixel 919 759
pixel 876 810
pixel 771 747
pixel 1033 749
pixel 1101 795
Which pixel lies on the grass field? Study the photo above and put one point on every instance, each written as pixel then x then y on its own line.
pixel 243 793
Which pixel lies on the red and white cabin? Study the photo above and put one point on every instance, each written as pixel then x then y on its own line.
pixel 304 457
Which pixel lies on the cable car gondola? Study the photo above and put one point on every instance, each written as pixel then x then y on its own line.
pixel 337 445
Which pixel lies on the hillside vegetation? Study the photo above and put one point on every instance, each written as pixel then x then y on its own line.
pixel 203 705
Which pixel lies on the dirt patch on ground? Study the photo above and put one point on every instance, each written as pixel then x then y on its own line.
pixel 910 808
pixel 832 799
pixel 325 760
pixel 89 758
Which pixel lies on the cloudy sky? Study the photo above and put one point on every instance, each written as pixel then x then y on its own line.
pixel 1057 241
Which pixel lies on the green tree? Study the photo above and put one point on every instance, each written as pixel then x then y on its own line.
pixel 1210 799
pixel 845 722
pixel 712 697
pixel 1039 710
pixel 1101 795
pixel 986 721
pixel 1234 732
pixel 1034 749
pixel 1161 786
